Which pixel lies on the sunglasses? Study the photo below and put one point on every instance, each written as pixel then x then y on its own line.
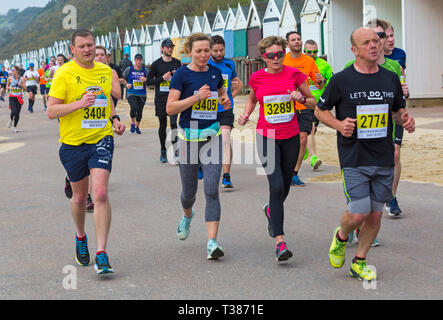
pixel 382 35
pixel 311 51
pixel 273 55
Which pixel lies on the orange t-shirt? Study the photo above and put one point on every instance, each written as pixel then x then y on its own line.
pixel 306 65
pixel 41 72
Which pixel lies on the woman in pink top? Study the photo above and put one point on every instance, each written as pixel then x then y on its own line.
pixel 276 88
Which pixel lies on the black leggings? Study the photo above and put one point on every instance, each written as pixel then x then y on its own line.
pixel 137 103
pixel 278 158
pixel 162 130
pixel 16 107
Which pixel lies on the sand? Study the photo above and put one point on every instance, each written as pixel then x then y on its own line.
pixel 421 153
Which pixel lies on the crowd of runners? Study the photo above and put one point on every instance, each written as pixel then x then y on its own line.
pixel 295 92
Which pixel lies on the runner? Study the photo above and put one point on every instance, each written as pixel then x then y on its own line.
pixel 296 59
pixel 43 82
pixel 311 50
pixel 234 84
pixel 120 78
pixel 15 86
pixel 160 75
pixel 31 78
pixel 4 75
pixel 135 77
pixel 86 133
pixel 397 54
pixel 195 92
pixel 366 98
pixel 276 88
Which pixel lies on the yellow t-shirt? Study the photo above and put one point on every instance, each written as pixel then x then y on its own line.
pixel 87 125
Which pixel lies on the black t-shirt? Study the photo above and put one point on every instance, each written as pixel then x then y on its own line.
pixel 371 99
pixel 117 69
pixel 155 76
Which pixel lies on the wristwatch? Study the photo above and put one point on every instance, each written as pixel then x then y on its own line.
pixel 115 117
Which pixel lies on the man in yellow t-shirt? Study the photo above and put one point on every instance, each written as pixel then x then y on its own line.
pixel 296 59
pixel 80 96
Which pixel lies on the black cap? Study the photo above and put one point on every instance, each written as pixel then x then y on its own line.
pixel 138 56
pixel 167 43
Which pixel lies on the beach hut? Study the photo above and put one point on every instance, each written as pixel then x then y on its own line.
pixel 219 24
pixel 148 48
pixel 272 18
pixel 311 22
pixel 240 32
pixel 135 43
pixel 290 20
pixel 208 22
pixel 175 36
pixel 127 43
pixel 185 32
pixel 156 43
pixel 115 46
pixel 255 27
pixel 228 32
pixel 197 24
pixel 166 30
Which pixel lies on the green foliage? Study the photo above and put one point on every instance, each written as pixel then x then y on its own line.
pixel 36 28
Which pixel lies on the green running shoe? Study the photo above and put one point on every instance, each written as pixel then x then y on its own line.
pixel 337 251
pixel 360 270
pixel 306 154
pixel 315 162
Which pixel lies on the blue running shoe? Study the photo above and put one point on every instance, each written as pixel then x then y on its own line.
pixel 393 209
pixel 200 172
pixel 214 250
pixel 163 157
pixel 137 130
pixel 184 227
pixel 132 127
pixel 102 265
pixel 226 182
pixel 82 252
pixel 297 182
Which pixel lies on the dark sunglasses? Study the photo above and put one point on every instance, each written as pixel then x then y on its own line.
pixel 311 51
pixel 273 55
pixel 382 35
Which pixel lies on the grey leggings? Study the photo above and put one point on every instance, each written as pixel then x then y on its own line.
pixel 209 155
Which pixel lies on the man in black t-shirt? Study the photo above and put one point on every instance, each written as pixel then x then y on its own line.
pixel 160 76
pixel 365 97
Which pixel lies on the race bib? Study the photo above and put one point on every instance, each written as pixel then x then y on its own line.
pixel 206 109
pixel 225 81
pixel 278 109
pixel 164 86
pixel 3 80
pixel 372 121
pixel 16 92
pixel 137 85
pixel 94 117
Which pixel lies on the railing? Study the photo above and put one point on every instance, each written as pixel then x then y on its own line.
pixel 245 68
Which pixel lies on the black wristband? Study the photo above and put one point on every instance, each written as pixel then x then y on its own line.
pixel 115 117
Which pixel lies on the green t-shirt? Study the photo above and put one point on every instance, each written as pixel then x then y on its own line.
pixel 389 64
pixel 326 71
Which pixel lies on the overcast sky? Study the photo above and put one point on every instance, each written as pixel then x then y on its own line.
pixel 20 4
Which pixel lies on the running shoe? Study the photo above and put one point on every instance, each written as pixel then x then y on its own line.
pixel 45 108
pixel 360 270
pixel 214 250
pixel 175 161
pixel 282 253
pixel 393 209
pixel 352 238
pixel 2 99
pixel 132 128
pixel 102 265
pixel 89 204
pixel 315 162
pixel 375 243
pixel 184 227
pixel 268 218
pixel 337 251
pixel 81 252
pixel 137 130
pixel 226 182
pixel 163 157
pixel 68 188
pixel 297 182
pixel 9 125
pixel 306 154
pixel 200 172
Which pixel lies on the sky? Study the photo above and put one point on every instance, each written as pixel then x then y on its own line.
pixel 20 4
